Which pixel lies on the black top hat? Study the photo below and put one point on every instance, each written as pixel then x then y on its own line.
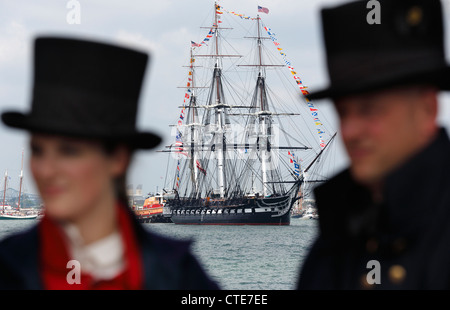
pixel 85 89
pixel 407 47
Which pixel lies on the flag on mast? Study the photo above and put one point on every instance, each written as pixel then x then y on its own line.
pixel 263 9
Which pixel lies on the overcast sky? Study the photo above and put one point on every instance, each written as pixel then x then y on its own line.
pixel 164 28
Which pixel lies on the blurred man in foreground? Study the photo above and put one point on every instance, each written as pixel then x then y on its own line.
pixel 385 221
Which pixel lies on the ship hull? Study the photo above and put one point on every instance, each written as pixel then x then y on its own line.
pixel 232 219
pixel 17 217
pixel 264 211
pixel 154 218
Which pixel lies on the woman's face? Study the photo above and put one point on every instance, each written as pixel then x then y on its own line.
pixel 72 175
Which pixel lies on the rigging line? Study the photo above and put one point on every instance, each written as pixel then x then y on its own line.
pixel 321 152
pixel 242 92
pixel 223 46
pixel 232 183
pixel 234 21
pixel 329 163
pixel 181 182
pixel 290 136
pixel 204 178
pixel 207 21
pixel 251 167
pixel 230 89
pixel 231 166
pixel 281 124
pixel 292 103
pixel 167 169
pixel 174 181
pixel 309 103
pixel 324 120
pixel 289 168
pixel 270 56
pixel 299 105
pixel 240 172
pixel 211 181
pixel 249 164
pixel 282 102
pixel 290 173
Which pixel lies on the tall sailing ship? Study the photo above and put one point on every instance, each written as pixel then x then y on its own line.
pixel 234 143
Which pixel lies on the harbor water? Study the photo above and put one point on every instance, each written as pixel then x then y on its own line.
pixel 237 257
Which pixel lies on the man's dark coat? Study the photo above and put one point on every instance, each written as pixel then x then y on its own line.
pixel 408 234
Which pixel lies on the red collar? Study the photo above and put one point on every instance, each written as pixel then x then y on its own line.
pixel 54 257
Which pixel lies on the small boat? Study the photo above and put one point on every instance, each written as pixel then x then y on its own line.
pixel 310 214
pixel 16 214
pixel 152 210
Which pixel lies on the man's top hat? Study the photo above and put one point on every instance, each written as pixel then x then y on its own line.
pixel 406 47
pixel 85 89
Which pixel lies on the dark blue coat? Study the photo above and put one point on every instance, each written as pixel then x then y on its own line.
pixel 168 264
pixel 408 234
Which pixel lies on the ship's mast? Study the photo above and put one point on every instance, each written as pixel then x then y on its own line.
pixel 264 118
pixel 191 66
pixel 259 50
pixel 220 147
pixel 21 179
pixel 4 190
pixel 194 130
pixel 217 105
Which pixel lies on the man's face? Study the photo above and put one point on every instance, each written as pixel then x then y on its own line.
pixel 382 130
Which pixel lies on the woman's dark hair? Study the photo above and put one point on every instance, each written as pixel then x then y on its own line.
pixel 120 186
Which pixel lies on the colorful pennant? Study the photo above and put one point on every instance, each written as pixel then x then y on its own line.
pixel 314 111
pixel 296 164
pixel 242 16
pixel 311 106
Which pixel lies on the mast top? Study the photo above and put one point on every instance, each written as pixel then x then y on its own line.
pixel 21 166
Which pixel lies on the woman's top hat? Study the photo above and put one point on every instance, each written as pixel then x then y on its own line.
pixel 85 89
pixel 406 47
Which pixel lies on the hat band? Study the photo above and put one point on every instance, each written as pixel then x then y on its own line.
pixel 345 69
pixel 86 109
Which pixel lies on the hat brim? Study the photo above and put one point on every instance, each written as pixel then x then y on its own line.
pixel 373 82
pixel 136 140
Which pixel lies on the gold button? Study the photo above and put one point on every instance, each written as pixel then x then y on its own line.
pixel 414 16
pixel 397 274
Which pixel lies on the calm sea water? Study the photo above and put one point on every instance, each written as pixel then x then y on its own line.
pixel 237 257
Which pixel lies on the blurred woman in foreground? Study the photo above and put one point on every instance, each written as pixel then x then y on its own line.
pixel 82 125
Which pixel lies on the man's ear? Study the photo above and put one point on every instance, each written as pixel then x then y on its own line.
pixel 431 98
pixel 429 107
